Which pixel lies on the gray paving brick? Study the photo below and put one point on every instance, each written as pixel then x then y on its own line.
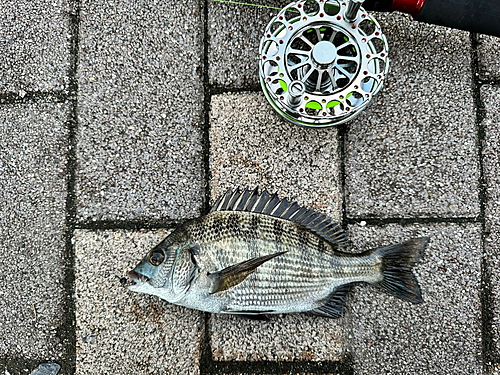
pixel 413 152
pixel 140 110
pixel 234 33
pixel 288 337
pixel 119 330
pixel 33 151
pixel 250 146
pixel 34 40
pixel 274 372
pixel 441 335
pixel 490 96
pixel 488 52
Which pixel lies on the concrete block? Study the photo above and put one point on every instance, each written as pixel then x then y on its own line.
pixel 119 330
pixel 140 111
pixel 35 45
pixel 488 52
pixel 250 145
pixel 235 31
pixel 33 157
pixel 490 96
pixel 441 335
pixel 413 151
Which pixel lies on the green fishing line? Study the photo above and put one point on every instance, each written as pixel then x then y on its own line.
pixel 253 5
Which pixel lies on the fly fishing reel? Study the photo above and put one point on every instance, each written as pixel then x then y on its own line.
pixel 321 61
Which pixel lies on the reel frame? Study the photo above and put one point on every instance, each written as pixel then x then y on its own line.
pixel 321 61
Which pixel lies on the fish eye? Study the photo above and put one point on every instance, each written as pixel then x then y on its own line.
pixel 156 257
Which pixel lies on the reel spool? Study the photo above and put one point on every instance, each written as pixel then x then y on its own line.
pixel 322 61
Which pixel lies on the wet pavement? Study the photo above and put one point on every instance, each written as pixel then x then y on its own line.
pixel 120 120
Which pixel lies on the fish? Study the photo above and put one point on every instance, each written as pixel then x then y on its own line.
pixel 255 254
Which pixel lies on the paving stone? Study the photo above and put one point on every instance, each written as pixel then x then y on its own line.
pixel 488 52
pixel 274 372
pixel 256 147
pixel 33 154
pixel 441 335
pixel 34 40
pixel 252 146
pixel 119 330
pixel 490 95
pixel 140 110
pixel 413 152
pixel 291 337
pixel 235 31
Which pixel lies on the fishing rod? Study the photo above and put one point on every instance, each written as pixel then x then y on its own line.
pixel 322 61
pixel 479 16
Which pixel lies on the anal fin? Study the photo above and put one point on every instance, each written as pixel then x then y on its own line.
pixel 251 315
pixel 235 274
pixel 334 308
pixel 260 318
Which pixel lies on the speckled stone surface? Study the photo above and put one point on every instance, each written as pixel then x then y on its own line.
pixel 235 31
pixel 291 337
pixel 140 111
pixel 413 152
pixel 441 335
pixel 34 45
pixel 490 95
pixel 33 144
pixel 488 57
pixel 119 330
pixel 257 148
pixel 274 372
pixel 141 153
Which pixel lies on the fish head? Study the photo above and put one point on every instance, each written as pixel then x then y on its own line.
pixel 153 274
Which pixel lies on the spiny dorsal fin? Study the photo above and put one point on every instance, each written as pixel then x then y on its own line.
pixel 334 308
pixel 271 205
pixel 233 275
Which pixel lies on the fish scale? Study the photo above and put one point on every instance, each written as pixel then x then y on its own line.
pixel 256 254
pixel 276 279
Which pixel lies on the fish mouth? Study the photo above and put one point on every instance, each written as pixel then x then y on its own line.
pixel 137 278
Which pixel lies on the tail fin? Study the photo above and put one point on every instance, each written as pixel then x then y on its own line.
pixel 397 262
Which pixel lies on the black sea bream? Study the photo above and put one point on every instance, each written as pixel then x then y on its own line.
pixel 256 254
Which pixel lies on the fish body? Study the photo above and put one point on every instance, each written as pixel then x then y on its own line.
pixel 255 254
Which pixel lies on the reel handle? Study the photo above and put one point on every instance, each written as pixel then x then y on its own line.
pixel 479 16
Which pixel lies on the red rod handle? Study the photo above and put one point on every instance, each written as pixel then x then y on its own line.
pixel 412 7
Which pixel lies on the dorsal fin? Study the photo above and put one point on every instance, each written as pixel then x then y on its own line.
pixel 271 205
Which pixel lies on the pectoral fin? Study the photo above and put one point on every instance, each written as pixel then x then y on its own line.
pixel 235 274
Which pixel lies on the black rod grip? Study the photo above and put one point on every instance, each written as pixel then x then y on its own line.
pixel 479 16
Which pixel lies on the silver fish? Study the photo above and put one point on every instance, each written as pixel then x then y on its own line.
pixel 256 254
